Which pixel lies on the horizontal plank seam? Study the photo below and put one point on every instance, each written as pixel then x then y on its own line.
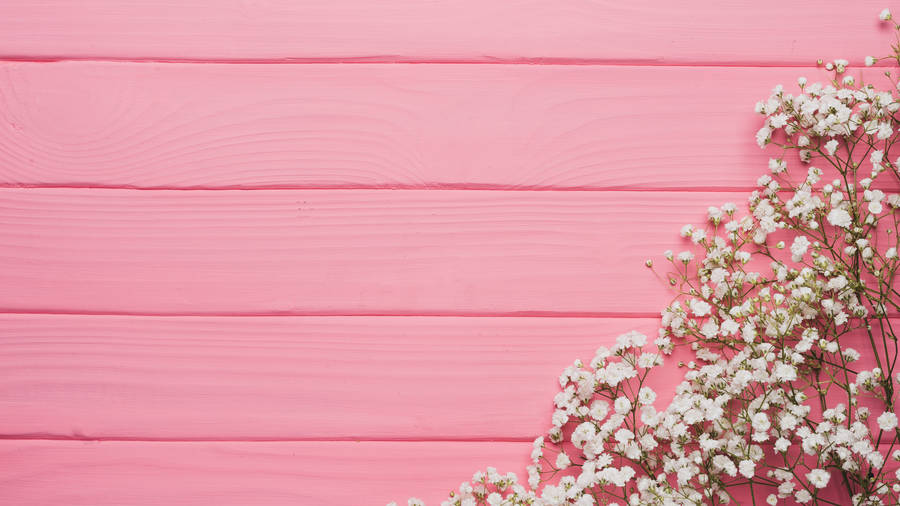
pixel 438 439
pixel 447 314
pixel 462 439
pixel 435 186
pixel 391 60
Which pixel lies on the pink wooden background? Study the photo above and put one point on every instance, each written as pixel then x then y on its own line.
pixel 336 252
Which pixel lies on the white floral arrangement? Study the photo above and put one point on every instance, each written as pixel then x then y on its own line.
pixel 791 370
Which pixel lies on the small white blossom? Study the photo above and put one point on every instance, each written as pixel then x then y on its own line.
pixel 839 218
pixel 622 405
pixel 747 468
pixel 887 421
pixel 562 461
pixel 818 478
pixel 700 308
pixel 799 247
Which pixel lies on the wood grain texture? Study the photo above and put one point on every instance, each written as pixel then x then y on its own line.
pixel 410 126
pixel 300 378
pixel 703 31
pixel 338 252
pixel 269 378
pixel 52 473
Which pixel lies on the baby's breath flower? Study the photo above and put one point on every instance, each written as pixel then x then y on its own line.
pixel 840 218
pixel 818 478
pixel 562 461
pixel 887 421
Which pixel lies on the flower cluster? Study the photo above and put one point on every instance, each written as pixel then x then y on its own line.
pixel 785 308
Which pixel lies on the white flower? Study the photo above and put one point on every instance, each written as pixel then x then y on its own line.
pixel 700 308
pixel 782 444
pixel 622 405
pixel 784 372
pixel 777 165
pixel 748 333
pixel 887 421
pixel 818 478
pixel 778 120
pixel 885 15
pixel 763 136
pixel 631 339
pixel 725 464
pixel 710 329
pixel 599 410
pixel 799 248
pixel 534 476
pixel 840 218
pixel 837 283
pixel 831 146
pixel 624 435
pixel 562 461
pixel 730 327
pixel 760 422
pixel 585 500
pixel 747 468
pixel 870 61
pixel 646 396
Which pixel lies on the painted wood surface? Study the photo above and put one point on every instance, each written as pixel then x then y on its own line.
pixel 298 378
pixel 695 31
pixel 251 256
pixel 339 252
pixel 400 126
pixel 195 473
pixel 115 473
pixel 270 378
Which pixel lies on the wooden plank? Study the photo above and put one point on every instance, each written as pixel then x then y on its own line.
pixel 115 377
pixel 408 126
pixel 766 31
pixel 293 378
pixel 48 473
pixel 338 252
